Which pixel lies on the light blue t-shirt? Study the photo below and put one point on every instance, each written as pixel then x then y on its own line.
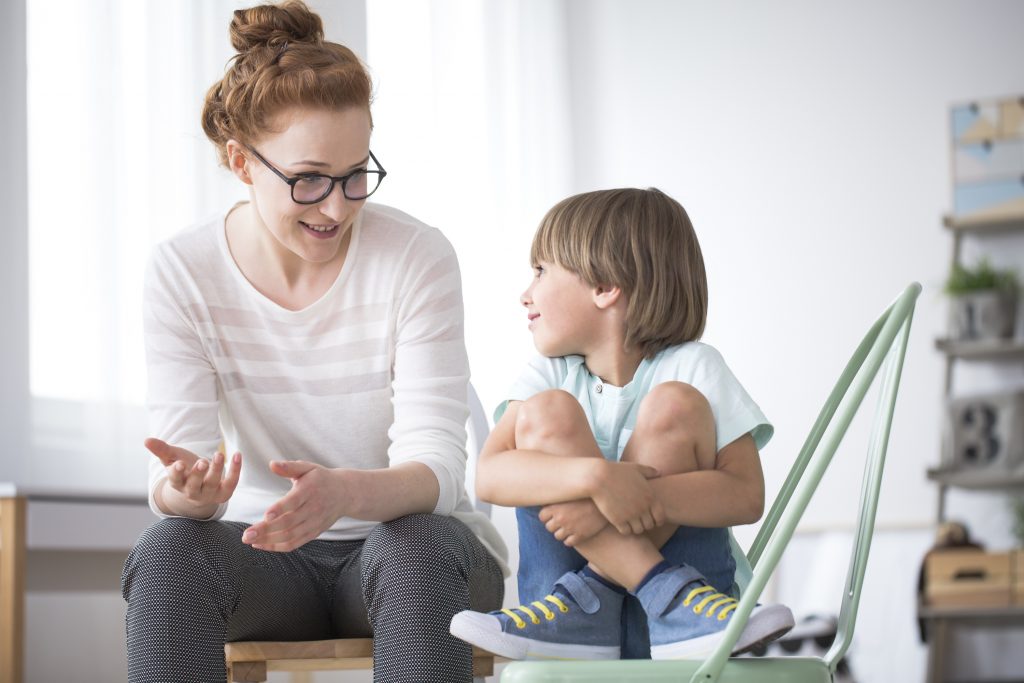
pixel 611 411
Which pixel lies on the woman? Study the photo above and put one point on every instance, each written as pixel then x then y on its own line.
pixel 320 339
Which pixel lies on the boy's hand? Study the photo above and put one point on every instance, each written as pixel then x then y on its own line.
pixel 624 497
pixel 574 522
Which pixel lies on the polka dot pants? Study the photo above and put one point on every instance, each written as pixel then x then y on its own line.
pixel 191 586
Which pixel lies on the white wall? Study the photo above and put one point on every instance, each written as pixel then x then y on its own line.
pixel 810 144
pixel 14 262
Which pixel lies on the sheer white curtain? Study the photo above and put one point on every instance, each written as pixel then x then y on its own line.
pixel 117 162
pixel 472 121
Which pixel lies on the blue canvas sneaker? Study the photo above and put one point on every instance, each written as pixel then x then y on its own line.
pixel 687 617
pixel 579 620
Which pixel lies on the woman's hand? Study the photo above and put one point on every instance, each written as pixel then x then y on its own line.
pixel 314 504
pixel 574 522
pixel 199 483
pixel 622 494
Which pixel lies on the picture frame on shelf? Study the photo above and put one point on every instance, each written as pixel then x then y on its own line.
pixel 985 435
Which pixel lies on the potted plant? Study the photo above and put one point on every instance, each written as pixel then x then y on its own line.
pixel 983 302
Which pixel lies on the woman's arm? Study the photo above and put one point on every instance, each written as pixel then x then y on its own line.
pixel 730 494
pixel 320 495
pixel 386 494
pixel 181 400
pixel 431 373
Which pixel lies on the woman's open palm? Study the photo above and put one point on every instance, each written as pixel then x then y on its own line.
pixel 201 481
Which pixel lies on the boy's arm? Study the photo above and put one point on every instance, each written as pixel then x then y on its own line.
pixel 730 494
pixel 517 477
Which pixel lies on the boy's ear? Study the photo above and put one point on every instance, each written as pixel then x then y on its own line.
pixel 606 296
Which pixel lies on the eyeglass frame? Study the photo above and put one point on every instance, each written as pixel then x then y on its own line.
pixel 292 180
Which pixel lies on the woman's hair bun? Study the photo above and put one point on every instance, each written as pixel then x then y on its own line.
pixel 274 25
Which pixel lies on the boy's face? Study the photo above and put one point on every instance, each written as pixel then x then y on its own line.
pixel 561 310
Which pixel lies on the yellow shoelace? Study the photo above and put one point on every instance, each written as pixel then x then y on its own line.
pixel 548 614
pixel 715 599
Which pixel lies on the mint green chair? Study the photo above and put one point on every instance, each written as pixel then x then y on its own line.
pixel 885 341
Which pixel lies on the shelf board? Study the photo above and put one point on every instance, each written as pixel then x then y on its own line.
pixel 989 349
pixel 1008 612
pixel 977 479
pixel 984 224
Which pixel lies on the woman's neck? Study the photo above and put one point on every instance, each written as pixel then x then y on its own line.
pixel 276 272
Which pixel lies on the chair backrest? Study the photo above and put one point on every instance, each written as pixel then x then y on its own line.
pixel 478 429
pixel 886 342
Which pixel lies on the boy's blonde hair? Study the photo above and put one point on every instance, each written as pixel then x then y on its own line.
pixel 641 241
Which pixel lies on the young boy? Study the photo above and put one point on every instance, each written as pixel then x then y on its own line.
pixel 627 447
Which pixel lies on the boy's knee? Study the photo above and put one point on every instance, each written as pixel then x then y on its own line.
pixel 671 406
pixel 551 414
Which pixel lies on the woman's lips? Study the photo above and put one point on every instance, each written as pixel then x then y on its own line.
pixel 320 233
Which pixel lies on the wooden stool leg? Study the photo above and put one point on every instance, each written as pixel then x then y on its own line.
pixel 248 672
pixel 12 590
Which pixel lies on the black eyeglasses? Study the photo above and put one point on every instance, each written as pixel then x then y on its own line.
pixel 310 188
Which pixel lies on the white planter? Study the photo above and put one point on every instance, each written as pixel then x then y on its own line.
pixel 985 314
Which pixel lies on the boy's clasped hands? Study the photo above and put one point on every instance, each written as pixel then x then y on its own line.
pixel 621 497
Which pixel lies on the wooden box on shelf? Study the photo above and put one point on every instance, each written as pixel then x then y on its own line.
pixel 1018 576
pixel 969 578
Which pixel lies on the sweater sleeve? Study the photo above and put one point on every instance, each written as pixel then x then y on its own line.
pixel 431 369
pixel 181 398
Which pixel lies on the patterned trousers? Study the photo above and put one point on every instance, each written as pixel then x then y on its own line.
pixel 191 586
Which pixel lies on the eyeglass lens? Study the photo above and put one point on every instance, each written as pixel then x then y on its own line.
pixel 312 189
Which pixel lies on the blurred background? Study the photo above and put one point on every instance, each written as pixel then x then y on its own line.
pixel 811 144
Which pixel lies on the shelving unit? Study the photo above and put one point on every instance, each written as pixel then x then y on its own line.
pixel 982 443
pixel 996 350
pixel 941 621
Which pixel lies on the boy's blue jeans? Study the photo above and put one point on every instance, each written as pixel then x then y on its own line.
pixel 543 560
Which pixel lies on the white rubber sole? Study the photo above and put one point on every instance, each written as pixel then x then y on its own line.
pixel 485 632
pixel 766 623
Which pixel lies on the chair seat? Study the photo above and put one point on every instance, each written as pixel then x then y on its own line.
pixel 741 670
pixel 251 660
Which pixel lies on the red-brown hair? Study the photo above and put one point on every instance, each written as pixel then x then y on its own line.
pixel 283 61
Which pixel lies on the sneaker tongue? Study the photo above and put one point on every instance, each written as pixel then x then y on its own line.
pixel 582 594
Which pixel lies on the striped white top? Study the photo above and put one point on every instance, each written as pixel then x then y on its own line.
pixel 372 374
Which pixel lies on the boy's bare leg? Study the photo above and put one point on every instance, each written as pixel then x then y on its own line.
pixel 553 422
pixel 675 433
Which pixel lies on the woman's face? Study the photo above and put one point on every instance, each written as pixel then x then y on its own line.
pixel 334 143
